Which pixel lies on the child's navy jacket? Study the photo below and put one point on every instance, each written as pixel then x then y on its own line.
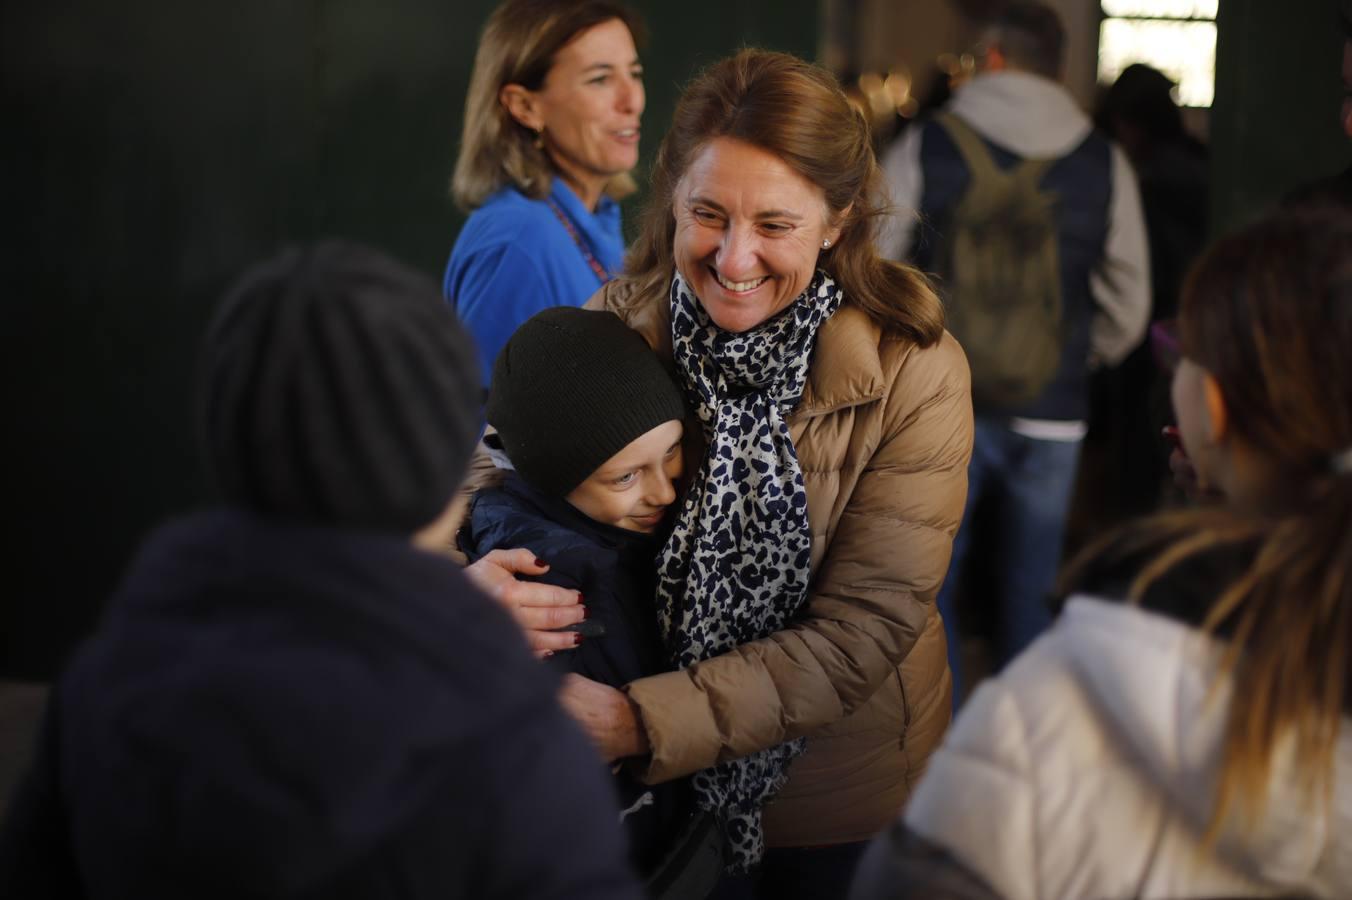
pixel 615 571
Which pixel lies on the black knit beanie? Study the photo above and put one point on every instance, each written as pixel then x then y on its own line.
pixel 338 388
pixel 571 388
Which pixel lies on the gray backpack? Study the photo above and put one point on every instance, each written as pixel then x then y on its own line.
pixel 1001 276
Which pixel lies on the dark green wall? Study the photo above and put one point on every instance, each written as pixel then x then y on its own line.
pixel 1274 123
pixel 152 150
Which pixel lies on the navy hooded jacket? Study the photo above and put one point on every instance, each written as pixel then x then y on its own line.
pixel 615 570
pixel 284 711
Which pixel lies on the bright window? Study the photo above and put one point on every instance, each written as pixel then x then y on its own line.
pixel 1178 37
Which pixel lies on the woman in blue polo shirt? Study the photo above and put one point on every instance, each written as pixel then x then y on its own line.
pixel 551 131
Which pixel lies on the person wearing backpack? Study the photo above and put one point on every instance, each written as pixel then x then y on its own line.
pixel 1032 223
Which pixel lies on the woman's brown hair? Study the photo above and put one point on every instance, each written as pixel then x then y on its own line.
pixel 796 111
pixel 518 46
pixel 1268 313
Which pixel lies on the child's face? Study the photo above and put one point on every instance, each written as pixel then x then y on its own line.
pixel 634 488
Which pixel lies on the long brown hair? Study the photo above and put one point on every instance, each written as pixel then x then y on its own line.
pixel 796 111
pixel 1268 313
pixel 518 46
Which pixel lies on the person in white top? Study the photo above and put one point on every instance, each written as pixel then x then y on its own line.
pixel 1183 729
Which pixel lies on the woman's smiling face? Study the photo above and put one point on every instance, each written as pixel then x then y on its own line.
pixel 749 230
pixel 589 106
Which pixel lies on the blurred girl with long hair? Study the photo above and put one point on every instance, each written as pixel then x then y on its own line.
pixel 1194 740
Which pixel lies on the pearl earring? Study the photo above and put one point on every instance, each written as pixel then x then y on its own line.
pixel 826 245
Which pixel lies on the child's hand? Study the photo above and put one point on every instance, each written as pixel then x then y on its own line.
pixel 537 608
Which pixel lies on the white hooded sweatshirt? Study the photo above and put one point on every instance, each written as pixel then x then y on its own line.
pixel 1088 769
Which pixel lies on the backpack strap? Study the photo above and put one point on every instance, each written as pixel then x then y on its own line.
pixel 974 151
pixel 1032 170
pixel 978 157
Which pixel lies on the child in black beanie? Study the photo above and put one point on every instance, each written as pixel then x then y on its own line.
pixel 592 424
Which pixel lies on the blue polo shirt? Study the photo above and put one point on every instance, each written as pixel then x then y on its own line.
pixel 514 258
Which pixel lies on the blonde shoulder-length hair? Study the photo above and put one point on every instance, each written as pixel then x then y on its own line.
pixel 518 46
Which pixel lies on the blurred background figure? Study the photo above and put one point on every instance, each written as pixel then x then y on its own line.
pixel 1032 222
pixel 1124 467
pixel 551 131
pixel 1139 112
pixel 1185 729
pixel 1346 111
pixel 1336 188
pixel 293 695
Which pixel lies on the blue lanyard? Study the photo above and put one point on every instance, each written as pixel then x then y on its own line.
pixel 567 223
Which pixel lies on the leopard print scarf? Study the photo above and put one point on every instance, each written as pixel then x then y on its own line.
pixel 736 566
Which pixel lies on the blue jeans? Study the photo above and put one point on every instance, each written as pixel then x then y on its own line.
pixel 1028 482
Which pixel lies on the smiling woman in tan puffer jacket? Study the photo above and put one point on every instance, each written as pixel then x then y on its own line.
pixel 831 432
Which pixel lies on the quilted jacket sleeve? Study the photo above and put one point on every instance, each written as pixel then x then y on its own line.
pixel 873 592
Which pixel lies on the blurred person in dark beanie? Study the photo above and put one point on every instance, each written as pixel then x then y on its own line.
pixel 1138 111
pixel 1346 111
pixel 292 695
pixel 1124 463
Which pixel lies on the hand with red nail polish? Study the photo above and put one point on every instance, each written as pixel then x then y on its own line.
pixel 537 608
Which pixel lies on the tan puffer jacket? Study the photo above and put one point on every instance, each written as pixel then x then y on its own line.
pixel 883 434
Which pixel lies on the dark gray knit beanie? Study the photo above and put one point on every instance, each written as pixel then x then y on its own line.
pixel 571 388
pixel 338 388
